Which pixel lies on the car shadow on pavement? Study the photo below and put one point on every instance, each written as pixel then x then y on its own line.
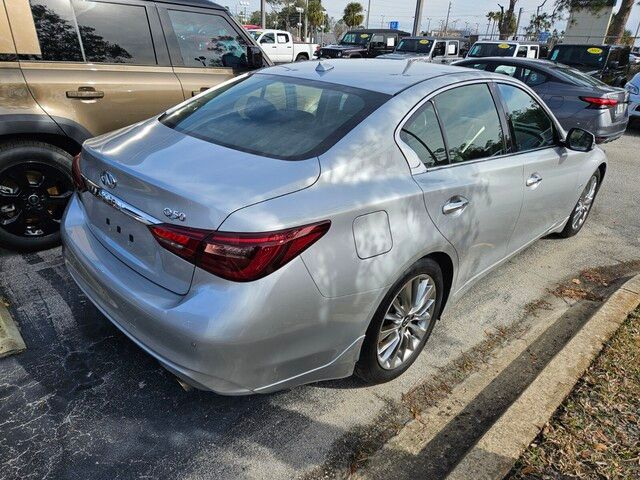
pixel 85 402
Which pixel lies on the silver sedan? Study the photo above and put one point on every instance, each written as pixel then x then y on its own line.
pixel 311 220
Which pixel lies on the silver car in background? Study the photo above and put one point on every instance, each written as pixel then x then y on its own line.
pixel 309 220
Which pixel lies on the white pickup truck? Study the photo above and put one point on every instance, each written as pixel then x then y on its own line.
pixel 279 46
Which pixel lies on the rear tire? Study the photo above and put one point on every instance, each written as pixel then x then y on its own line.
pixel 581 211
pixel 302 57
pixel 35 186
pixel 408 330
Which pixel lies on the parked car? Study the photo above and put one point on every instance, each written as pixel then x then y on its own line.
pixel 609 63
pixel 73 70
pixel 506 48
pixel 576 99
pixel 338 207
pixel 443 50
pixel 364 44
pixel 279 46
pixel 633 87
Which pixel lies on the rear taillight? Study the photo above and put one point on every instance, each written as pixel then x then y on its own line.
pixel 240 257
pixel 598 102
pixel 78 181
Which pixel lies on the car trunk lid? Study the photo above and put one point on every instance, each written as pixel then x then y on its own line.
pixel 149 173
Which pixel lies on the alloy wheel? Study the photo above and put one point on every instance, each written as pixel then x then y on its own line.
pixel 584 203
pixel 406 322
pixel 33 196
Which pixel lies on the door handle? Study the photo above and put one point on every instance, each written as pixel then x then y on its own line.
pixel 455 204
pixel 85 93
pixel 533 180
pixel 198 92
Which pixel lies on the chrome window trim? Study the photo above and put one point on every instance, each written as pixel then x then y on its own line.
pixel 417 166
pixel 119 204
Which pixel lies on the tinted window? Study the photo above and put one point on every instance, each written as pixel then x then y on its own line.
pixel 531 125
pixel 492 50
pixel 576 77
pixel 355 38
pixel 422 133
pixel 580 55
pixel 477 66
pixel 422 45
pixel 207 40
pixel 522 52
pixel 471 123
pixel 439 49
pixel 275 116
pixel 114 33
pixel 56 30
pixel 533 77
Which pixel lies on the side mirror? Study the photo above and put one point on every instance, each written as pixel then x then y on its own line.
pixel 254 56
pixel 580 140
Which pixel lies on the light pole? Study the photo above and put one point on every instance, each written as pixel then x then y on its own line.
pixel 299 10
pixel 366 24
pixel 306 21
pixel 243 13
pixel 428 25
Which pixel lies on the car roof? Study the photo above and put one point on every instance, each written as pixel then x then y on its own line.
pixel 377 30
pixel 423 37
pixel 533 62
pixel 194 3
pixel 379 75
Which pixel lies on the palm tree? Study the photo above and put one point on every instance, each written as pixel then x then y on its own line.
pixel 353 14
pixel 619 21
pixel 493 17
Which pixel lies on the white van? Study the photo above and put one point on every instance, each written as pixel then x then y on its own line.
pixel 504 48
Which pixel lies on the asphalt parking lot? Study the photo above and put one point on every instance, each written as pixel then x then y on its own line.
pixel 84 402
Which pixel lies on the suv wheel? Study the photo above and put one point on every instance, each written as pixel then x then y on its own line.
pixel 35 187
pixel 402 324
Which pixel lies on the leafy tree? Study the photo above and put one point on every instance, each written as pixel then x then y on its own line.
pixel 353 15
pixel 493 17
pixel 507 24
pixel 619 22
pixel 316 14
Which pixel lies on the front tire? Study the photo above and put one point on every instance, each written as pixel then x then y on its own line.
pixel 402 324
pixel 35 187
pixel 581 211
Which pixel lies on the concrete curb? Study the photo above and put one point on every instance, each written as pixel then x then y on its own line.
pixel 11 341
pixel 498 449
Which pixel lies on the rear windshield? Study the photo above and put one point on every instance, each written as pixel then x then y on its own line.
pixel 414 45
pixel 580 55
pixel 492 50
pixel 576 77
pixel 275 116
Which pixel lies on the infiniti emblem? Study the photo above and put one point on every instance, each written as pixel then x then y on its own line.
pixel 108 180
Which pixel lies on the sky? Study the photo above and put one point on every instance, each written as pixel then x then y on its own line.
pixel 472 11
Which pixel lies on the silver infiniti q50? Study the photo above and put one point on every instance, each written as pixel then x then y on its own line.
pixel 311 220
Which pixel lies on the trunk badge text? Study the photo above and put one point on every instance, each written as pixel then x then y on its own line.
pixel 108 180
pixel 174 214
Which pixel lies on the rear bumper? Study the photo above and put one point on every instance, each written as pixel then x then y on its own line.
pixel 232 338
pixel 598 122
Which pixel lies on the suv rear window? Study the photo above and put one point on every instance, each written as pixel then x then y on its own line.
pixel 274 116
pixel 580 55
pixel 492 50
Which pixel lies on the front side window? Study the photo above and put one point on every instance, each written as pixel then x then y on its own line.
pixel 56 30
pixel 532 127
pixel 522 52
pixel 274 116
pixel 268 38
pixel 377 40
pixel 207 40
pixel 439 49
pixel 471 123
pixel 114 33
pixel 422 134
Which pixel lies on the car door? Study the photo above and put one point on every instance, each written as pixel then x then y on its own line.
pixel 550 171
pixel 206 49
pixel 284 45
pixel 472 189
pixel 267 42
pixel 439 50
pixel 102 64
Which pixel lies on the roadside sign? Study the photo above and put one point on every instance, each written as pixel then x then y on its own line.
pixel 394 24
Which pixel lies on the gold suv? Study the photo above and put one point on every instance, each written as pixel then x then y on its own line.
pixel 73 69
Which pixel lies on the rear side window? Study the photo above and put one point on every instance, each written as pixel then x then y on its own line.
pixel 506 70
pixel 531 125
pixel 533 78
pixel 114 33
pixel 56 30
pixel 422 134
pixel 208 40
pixel 87 31
pixel 471 123
pixel 273 116
pixel 283 38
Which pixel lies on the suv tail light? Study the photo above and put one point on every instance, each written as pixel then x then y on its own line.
pixel 598 102
pixel 76 173
pixel 240 257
